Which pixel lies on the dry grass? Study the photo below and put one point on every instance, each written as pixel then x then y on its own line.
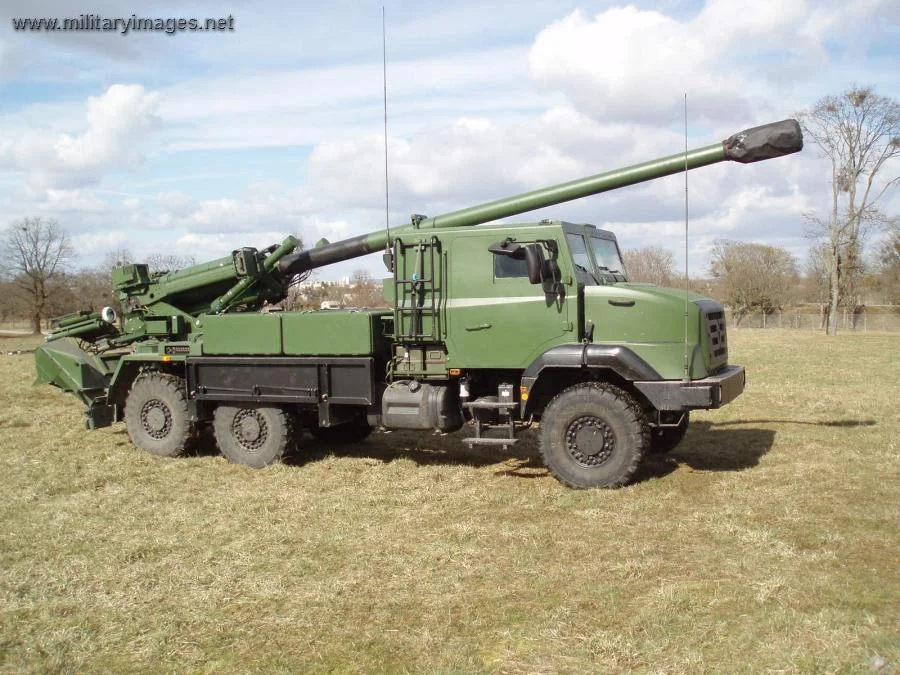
pixel 767 542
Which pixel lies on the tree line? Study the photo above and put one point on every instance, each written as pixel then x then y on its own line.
pixel 751 278
pixel 39 279
pixel 747 277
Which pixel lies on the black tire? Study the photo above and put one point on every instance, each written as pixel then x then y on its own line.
pixel 593 435
pixel 156 414
pixel 665 439
pixel 348 433
pixel 253 435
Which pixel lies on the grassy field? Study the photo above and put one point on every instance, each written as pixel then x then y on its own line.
pixel 767 542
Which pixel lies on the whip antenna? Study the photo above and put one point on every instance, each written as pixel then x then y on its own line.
pixel 387 202
pixel 686 375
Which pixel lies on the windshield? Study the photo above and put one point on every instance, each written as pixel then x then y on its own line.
pixel 606 253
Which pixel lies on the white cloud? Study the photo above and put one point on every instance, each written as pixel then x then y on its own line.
pixel 176 203
pixel 242 220
pixel 98 243
pixel 305 106
pixel 73 200
pixel 118 125
pixel 474 160
pixel 731 59
pixel 213 244
pixel 310 89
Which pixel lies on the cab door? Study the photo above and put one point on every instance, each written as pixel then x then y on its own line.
pixel 495 317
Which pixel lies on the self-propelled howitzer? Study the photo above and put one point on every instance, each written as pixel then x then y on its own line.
pixel 497 326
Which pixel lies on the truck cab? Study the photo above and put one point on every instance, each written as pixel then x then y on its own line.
pixel 510 317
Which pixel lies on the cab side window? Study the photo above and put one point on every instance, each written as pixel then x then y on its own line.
pixel 579 251
pixel 583 265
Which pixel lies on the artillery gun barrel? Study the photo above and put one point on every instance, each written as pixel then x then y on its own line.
pixel 751 145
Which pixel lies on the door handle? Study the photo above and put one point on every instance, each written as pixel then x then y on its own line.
pixel 481 326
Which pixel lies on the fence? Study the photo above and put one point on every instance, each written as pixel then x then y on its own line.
pixel 860 322
pixel 16 324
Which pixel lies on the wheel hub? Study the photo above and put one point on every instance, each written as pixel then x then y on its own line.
pixel 156 418
pixel 590 441
pixel 249 429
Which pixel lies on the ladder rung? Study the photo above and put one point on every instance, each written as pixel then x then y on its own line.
pixel 503 425
pixel 472 440
pixel 489 405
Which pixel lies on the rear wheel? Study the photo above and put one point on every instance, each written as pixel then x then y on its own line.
pixel 665 439
pixel 253 435
pixel 593 435
pixel 156 414
pixel 354 431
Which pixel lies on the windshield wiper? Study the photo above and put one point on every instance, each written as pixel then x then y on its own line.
pixel 587 271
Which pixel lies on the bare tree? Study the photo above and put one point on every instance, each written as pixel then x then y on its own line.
pixel 366 291
pixel 752 277
pixel 35 253
pixel 816 277
pixel 11 303
pixel 116 258
pixel 168 262
pixel 887 264
pixel 652 264
pixel 93 289
pixel 157 262
pixel 859 133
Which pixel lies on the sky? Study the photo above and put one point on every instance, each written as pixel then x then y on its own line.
pixel 197 143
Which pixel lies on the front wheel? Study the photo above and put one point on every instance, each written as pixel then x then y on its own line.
pixel 156 414
pixel 253 435
pixel 593 435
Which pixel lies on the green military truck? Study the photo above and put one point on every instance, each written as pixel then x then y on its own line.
pixel 499 325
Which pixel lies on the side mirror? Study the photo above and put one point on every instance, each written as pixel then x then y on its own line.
pixel 534 260
pixel 388 258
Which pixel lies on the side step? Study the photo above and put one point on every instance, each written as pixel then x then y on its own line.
pixel 505 442
pixel 507 423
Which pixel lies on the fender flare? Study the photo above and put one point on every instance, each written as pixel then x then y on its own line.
pixel 616 358
pixel 127 370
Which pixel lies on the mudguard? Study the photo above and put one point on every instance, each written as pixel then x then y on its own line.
pixel 616 358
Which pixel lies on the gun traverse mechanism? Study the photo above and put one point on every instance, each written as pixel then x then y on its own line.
pixel 495 326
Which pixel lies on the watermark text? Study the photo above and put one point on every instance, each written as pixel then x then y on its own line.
pixel 123 25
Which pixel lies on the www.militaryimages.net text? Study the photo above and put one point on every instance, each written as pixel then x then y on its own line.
pixel 123 25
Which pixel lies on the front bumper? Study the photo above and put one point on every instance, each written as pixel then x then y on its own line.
pixel 710 392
